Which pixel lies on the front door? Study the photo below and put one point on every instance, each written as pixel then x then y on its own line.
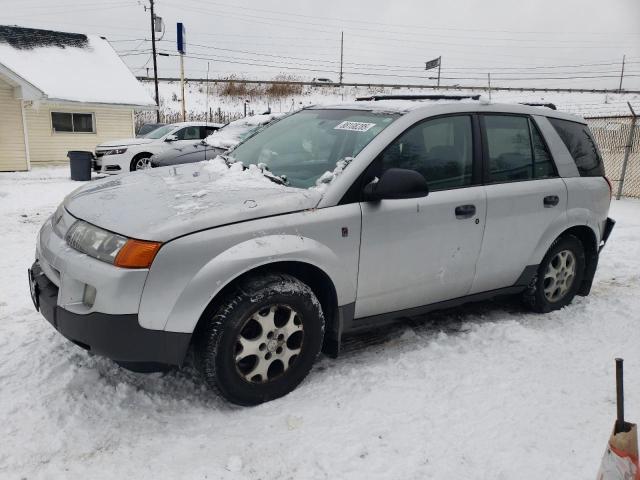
pixel 419 251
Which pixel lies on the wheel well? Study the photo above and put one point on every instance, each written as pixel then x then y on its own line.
pixel 318 281
pixel 590 245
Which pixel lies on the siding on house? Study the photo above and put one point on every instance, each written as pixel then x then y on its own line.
pixel 48 147
pixel 12 150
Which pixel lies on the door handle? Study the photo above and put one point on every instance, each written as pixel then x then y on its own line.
pixel 551 201
pixel 465 211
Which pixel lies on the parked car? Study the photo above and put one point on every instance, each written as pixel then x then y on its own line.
pixel 131 154
pixel 215 144
pixel 147 128
pixel 322 80
pixel 332 220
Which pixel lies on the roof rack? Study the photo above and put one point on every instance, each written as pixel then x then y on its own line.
pixel 546 105
pixel 417 97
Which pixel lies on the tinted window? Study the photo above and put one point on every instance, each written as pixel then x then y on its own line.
pixel 188 133
pixel 543 166
pixel 509 148
pixel 440 149
pixel 580 143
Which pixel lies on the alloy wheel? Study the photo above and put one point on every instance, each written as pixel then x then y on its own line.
pixel 269 343
pixel 143 163
pixel 560 275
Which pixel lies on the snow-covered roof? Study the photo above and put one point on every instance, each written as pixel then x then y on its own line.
pixel 68 67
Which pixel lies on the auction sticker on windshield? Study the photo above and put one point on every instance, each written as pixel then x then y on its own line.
pixel 354 126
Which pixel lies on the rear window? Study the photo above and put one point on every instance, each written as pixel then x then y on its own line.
pixel 580 143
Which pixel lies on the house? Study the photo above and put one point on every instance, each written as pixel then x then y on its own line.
pixel 59 92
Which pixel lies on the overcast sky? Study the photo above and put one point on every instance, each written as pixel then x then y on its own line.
pixel 384 42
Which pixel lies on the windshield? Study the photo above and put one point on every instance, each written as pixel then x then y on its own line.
pixel 159 132
pixel 303 146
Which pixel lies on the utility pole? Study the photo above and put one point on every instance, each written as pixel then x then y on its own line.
pixel 621 74
pixel 489 79
pixel 439 64
pixel 184 107
pixel 206 109
pixel 341 54
pixel 155 62
pixel 182 48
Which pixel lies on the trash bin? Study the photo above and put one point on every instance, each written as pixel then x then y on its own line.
pixel 80 162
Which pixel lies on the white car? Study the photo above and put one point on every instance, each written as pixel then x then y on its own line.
pixel 132 154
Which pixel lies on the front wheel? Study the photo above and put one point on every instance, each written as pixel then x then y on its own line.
pixel 262 341
pixel 559 276
pixel 141 162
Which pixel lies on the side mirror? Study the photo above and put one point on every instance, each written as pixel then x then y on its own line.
pixel 397 183
pixel 171 138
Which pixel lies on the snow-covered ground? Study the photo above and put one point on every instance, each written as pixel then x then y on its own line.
pixel 485 391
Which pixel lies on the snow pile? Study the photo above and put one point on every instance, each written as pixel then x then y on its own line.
pixel 233 133
pixel 94 73
pixel 483 391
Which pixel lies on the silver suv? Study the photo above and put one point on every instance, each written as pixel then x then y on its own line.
pixel 331 220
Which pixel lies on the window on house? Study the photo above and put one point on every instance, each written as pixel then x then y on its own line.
pixel 72 122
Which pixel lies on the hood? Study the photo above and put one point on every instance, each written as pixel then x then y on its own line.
pixel 164 203
pixel 125 142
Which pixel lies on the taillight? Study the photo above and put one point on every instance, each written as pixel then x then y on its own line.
pixel 610 187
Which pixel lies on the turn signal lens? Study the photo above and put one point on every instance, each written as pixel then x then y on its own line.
pixel 137 254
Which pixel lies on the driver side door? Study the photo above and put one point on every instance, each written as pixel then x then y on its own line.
pixel 419 251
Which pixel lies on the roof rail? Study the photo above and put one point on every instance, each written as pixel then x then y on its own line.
pixel 546 105
pixel 417 97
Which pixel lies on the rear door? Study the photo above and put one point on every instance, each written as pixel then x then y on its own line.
pixel 423 250
pixel 524 197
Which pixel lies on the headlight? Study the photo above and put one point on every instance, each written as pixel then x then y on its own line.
pixel 111 247
pixel 115 151
pixel 57 223
pixel 94 241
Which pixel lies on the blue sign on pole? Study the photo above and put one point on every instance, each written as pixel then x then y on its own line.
pixel 182 38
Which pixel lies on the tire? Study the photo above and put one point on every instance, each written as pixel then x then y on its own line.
pixel 238 355
pixel 559 276
pixel 136 162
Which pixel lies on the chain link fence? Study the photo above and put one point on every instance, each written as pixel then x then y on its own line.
pixel 618 139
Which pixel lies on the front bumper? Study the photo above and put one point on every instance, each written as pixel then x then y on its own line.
pixel 111 164
pixel 118 337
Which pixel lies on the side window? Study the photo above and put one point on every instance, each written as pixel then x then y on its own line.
pixel 440 149
pixel 188 133
pixel 580 143
pixel 509 148
pixel 206 131
pixel 543 162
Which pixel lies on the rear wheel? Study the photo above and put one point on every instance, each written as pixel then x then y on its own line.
pixel 262 341
pixel 559 276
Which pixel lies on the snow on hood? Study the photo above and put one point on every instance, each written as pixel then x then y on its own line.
pixel 163 203
pixel 125 142
pixel 233 133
